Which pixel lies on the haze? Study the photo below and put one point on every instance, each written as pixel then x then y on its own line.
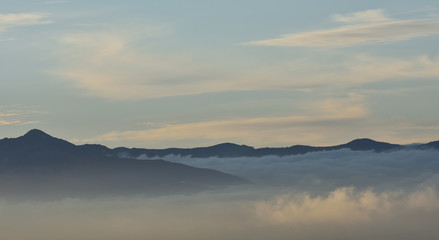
pixel 193 73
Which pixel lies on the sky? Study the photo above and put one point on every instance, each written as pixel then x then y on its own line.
pixel 158 74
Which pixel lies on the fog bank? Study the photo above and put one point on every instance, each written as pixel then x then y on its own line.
pixel 325 171
pixel 245 214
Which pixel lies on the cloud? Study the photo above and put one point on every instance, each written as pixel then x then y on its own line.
pixel 17 115
pixel 346 206
pixel 347 72
pixel 244 214
pixel 342 206
pixel 325 171
pixel 316 196
pixel 22 19
pixel 258 131
pixel 366 69
pixel 382 32
pixel 109 66
pixel 376 15
pixel 16 122
pixel 113 66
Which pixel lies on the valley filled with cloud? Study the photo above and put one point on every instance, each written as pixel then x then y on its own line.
pixel 319 195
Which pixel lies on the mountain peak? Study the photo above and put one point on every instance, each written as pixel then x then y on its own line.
pixel 36 133
pixel 362 141
pixel 369 144
pixel 229 145
pixel 38 138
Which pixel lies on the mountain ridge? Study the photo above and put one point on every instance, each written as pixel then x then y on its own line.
pixel 219 150
pixel 38 165
pixel 223 150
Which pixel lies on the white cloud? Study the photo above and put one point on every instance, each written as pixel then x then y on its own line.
pixel 345 206
pixel 22 19
pixel 376 15
pixel 382 32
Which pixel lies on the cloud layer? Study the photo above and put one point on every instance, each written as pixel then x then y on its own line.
pixel 244 214
pixel 325 171
pixel 356 34
pixel 321 195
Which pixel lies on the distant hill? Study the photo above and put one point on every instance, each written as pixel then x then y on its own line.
pixel 39 165
pixel 431 145
pixel 233 150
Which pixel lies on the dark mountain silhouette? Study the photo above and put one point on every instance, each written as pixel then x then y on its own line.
pixel 220 150
pixel 39 165
pixel 234 150
pixel 430 145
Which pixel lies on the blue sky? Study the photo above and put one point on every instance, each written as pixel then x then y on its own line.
pixel 196 73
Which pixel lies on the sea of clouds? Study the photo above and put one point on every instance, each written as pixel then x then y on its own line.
pixel 322 195
pixel 327 170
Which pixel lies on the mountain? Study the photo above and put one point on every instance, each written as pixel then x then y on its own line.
pixel 430 145
pixel 39 165
pixel 234 150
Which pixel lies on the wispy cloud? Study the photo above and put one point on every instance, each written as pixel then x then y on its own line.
pixel 371 26
pixel 17 115
pixel 256 131
pixel 109 66
pixel 377 15
pixel 348 71
pixel 365 69
pixel 22 19
pixel 318 122
pixel 16 122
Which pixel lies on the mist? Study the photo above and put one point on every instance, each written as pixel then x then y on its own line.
pixel 321 195
pixel 245 214
pixel 327 170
